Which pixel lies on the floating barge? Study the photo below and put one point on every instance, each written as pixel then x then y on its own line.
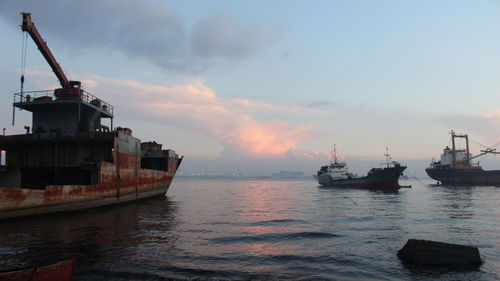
pixel 68 160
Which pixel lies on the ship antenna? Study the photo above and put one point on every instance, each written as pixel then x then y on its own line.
pixel 335 153
pixel 387 156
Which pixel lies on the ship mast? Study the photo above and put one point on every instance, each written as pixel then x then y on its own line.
pixel 387 156
pixel 468 158
pixel 454 152
pixel 334 154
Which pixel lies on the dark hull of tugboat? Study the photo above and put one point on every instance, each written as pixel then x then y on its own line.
pixel 450 176
pixel 386 178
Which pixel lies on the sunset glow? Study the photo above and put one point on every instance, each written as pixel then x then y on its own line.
pixel 230 122
pixel 227 83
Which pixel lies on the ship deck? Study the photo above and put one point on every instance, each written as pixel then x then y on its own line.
pixel 38 100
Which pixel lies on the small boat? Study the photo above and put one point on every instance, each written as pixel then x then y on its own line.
pixel 61 271
pixel 337 175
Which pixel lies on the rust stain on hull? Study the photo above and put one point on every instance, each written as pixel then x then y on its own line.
pixel 15 202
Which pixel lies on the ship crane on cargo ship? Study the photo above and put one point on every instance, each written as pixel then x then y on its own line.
pixel 69 89
pixel 86 108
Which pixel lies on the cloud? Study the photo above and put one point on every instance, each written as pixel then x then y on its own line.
pixel 222 36
pixel 146 29
pixel 233 123
pixel 44 79
pixel 288 52
pixel 482 124
pixel 493 114
pixel 320 104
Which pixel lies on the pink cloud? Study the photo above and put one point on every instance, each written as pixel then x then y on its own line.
pixel 493 114
pixel 233 123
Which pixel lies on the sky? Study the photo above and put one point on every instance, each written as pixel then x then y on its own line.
pixel 263 86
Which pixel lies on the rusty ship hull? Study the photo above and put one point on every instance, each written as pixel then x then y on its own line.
pixel 31 185
pixel 18 202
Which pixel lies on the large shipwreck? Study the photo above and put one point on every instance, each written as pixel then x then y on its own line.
pixel 68 160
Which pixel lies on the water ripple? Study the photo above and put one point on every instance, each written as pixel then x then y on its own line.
pixel 262 230
pixel 271 237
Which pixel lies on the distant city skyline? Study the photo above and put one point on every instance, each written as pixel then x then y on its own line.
pixel 264 86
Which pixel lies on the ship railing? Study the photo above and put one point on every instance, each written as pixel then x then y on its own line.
pixel 85 96
pixel 392 164
pixel 97 102
pixel 31 95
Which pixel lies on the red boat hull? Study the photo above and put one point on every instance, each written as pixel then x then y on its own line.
pixel 62 271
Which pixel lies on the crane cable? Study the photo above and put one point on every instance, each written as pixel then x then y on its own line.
pixel 23 71
pixel 488 148
pixel 23 59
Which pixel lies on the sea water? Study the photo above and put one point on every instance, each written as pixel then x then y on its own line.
pixel 223 229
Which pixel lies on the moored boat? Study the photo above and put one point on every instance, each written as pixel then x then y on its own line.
pixel 456 167
pixel 337 175
pixel 61 271
pixel 68 160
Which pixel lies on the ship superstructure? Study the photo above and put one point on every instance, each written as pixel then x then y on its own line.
pixel 337 170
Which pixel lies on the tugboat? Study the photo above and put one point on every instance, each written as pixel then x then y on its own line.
pixel 456 168
pixel 68 160
pixel 337 175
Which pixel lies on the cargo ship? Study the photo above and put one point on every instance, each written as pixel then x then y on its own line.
pixel 337 175
pixel 68 160
pixel 456 167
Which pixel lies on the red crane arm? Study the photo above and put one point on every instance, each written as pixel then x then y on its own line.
pixel 29 27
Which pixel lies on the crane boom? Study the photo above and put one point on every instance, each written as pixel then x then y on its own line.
pixel 69 88
pixel 486 151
